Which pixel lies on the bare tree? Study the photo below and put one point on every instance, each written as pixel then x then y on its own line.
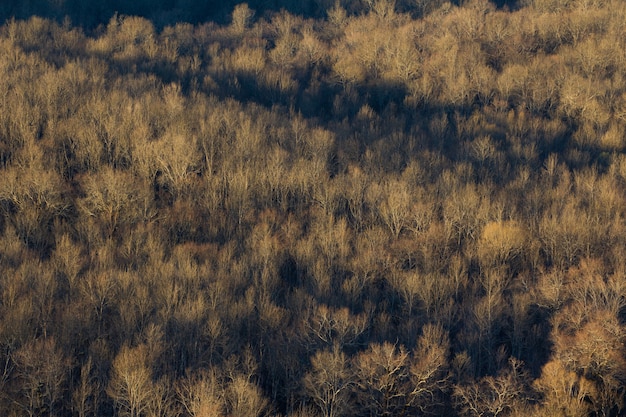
pixel 564 392
pixel 329 382
pixel 42 369
pixel 130 385
pixel 493 396
pixel 335 326
pixel 84 395
pixel 429 373
pixel 244 398
pixel 201 394
pixel 116 199
pixel 383 379
pixel 241 18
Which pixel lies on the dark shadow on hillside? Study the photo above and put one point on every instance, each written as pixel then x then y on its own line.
pixel 92 13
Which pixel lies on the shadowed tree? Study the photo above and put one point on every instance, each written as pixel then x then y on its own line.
pixel 43 372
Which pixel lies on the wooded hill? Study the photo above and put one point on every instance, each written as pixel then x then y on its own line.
pixel 369 209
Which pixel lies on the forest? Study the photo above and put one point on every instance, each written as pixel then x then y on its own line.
pixel 346 208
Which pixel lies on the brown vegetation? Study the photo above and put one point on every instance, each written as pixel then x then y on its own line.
pixel 401 208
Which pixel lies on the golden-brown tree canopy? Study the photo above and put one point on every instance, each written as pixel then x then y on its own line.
pixel 346 208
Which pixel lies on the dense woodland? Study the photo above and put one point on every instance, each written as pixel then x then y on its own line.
pixel 358 209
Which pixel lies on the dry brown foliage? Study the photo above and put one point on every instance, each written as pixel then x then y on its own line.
pixel 369 212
